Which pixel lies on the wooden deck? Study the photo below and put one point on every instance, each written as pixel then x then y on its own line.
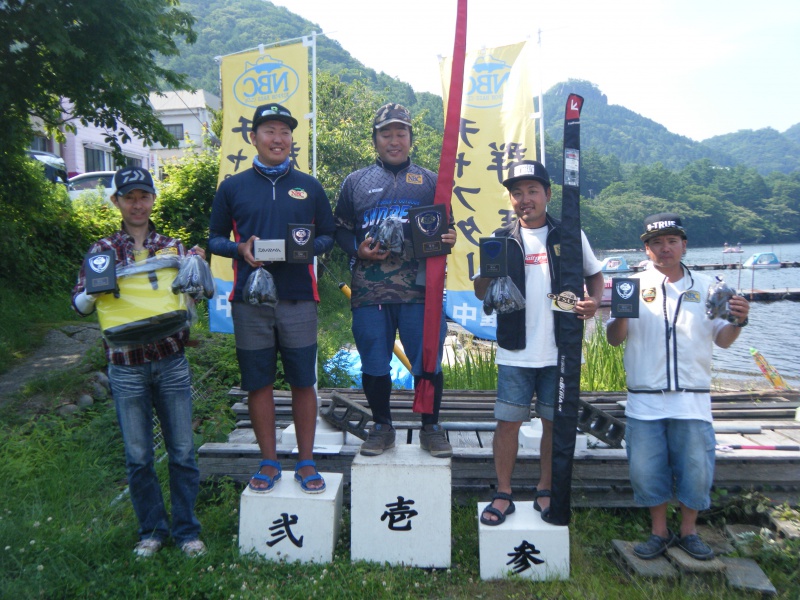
pixel 600 474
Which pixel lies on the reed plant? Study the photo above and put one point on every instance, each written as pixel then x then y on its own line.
pixel 602 370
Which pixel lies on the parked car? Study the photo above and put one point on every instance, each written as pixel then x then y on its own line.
pixel 55 169
pixel 90 182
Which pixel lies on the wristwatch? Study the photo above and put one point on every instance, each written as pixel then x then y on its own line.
pixel 742 323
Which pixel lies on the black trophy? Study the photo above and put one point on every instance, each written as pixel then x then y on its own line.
pixel 624 297
pixel 428 223
pixel 100 269
pixel 494 261
pixel 300 243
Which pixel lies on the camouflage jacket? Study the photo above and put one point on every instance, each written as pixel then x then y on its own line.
pixel 369 196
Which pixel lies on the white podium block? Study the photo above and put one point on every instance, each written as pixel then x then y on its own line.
pixel 524 545
pixel 530 437
pixel 400 508
pixel 324 435
pixel 288 524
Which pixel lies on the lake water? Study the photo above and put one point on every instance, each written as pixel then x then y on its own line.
pixel 774 327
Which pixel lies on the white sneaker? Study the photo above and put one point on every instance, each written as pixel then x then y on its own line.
pixel 194 548
pixel 147 548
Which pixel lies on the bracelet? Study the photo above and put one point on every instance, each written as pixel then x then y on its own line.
pixel 742 324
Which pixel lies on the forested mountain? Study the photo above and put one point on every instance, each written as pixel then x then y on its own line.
pixel 765 150
pixel 224 27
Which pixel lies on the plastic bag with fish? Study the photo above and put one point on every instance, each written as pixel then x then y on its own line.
pixel 260 288
pixel 717 303
pixel 503 296
pixel 387 235
pixel 194 278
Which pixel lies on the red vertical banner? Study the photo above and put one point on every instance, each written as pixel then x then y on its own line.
pixel 435 267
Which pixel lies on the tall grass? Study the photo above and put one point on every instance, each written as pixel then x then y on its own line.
pixel 602 370
pixel 473 368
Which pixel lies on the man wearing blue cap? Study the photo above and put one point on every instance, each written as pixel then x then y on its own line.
pixel 150 377
pixel 258 204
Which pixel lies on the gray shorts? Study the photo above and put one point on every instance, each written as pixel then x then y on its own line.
pixel 261 331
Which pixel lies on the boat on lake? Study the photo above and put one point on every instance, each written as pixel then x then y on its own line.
pixel 762 260
pixel 737 249
pixel 615 264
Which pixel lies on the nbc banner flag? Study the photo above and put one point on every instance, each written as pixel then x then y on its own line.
pixel 250 79
pixel 497 128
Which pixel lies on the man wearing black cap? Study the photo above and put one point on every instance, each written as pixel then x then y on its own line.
pixel 258 204
pixel 150 377
pixel 527 352
pixel 669 434
pixel 388 288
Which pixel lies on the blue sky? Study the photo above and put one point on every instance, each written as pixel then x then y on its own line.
pixel 699 67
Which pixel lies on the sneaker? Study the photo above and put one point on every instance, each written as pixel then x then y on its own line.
pixel 433 439
pixel 147 547
pixel 655 546
pixel 193 548
pixel 695 547
pixel 380 438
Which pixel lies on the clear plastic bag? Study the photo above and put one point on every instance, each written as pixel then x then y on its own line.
pixel 503 296
pixel 717 303
pixel 194 278
pixel 388 235
pixel 260 288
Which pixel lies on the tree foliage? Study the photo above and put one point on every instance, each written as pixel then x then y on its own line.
pixel 100 57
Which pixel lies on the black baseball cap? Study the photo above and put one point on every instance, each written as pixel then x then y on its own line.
pixel 133 178
pixel 527 169
pixel 274 112
pixel 662 224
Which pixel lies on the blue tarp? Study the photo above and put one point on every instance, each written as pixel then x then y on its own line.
pixel 350 362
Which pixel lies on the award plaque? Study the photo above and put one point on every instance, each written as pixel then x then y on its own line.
pixel 428 223
pixel 494 256
pixel 299 243
pixel 624 297
pixel 100 269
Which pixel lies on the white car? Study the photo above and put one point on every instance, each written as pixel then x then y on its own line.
pixel 90 182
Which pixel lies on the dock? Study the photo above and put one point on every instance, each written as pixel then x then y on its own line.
pixel 760 419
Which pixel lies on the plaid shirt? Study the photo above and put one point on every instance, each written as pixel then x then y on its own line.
pixel 122 243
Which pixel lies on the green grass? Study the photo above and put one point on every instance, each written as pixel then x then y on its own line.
pixel 67 529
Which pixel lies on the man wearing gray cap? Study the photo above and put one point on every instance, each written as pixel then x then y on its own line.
pixel 527 353
pixel 388 288
pixel 258 204
pixel 669 434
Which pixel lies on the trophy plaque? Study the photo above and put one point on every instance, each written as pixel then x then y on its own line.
pixel 100 269
pixel 428 223
pixel 624 297
pixel 300 243
pixel 494 256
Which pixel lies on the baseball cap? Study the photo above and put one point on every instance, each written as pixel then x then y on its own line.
pixel 391 113
pixel 133 178
pixel 274 112
pixel 526 169
pixel 662 224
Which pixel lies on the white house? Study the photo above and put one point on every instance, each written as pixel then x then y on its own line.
pixel 186 116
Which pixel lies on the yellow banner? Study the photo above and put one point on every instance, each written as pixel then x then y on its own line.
pixel 497 128
pixel 250 79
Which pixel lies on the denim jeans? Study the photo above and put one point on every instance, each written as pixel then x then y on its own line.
pixel 515 389
pixel 165 386
pixel 671 455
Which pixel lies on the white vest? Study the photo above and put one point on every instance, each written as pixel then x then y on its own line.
pixel 670 350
